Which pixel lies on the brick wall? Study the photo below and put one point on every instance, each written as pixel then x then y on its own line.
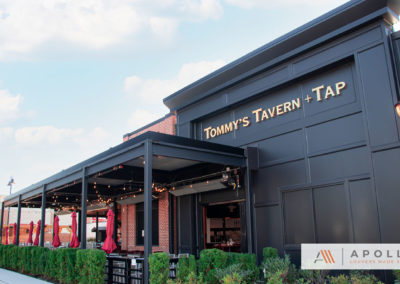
pixel 165 125
pixel 128 226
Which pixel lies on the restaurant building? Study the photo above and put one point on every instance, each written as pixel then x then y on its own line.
pixel 295 142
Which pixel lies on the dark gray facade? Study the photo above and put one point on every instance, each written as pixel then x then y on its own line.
pixel 328 166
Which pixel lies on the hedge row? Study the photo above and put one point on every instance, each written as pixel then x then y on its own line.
pixel 208 265
pixel 65 265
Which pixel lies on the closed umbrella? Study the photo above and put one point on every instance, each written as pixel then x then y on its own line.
pixel 36 242
pixel 15 234
pixel 6 235
pixel 56 240
pixel 74 242
pixel 109 244
pixel 30 242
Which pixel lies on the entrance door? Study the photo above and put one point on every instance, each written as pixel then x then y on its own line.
pixel 222 226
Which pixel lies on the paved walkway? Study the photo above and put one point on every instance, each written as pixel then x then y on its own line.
pixel 11 277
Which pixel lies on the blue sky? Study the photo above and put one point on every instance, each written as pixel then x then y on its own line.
pixel 77 75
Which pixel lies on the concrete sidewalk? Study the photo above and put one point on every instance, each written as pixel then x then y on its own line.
pixel 11 277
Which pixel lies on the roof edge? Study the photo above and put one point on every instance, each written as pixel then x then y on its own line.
pixel 148 125
pixel 333 20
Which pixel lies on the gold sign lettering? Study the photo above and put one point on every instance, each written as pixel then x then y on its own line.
pixel 321 93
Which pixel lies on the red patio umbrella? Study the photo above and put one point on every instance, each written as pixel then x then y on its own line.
pixel 36 242
pixel 30 233
pixel 56 240
pixel 109 245
pixel 6 235
pixel 74 242
pixel 15 234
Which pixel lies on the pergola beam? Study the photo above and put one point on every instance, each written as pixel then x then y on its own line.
pixel 202 155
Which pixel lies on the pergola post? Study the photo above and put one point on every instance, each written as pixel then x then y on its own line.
pixel 1 222
pixel 78 229
pixel 83 209
pixel 42 225
pixel 251 162
pixel 115 221
pixel 148 155
pixel 18 221
pixel 97 227
pixel 171 222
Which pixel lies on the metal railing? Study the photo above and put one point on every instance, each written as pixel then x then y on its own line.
pixel 118 270
pixel 127 270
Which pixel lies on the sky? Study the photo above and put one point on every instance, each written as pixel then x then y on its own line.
pixel 75 76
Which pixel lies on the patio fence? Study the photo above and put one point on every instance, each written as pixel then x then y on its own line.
pixel 126 270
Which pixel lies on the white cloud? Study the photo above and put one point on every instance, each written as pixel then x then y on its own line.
pixel 94 137
pixel 250 4
pixel 9 105
pixel 93 24
pixel 51 135
pixel 154 90
pixel 141 117
pixel 202 9
pixel 6 133
pixel 164 28
pixel 34 153
pixel 44 134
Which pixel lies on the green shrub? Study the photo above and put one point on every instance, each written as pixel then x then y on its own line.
pixel 39 259
pixel 340 279
pixel 358 277
pixel 13 252
pixel 232 273
pixel 312 276
pixel 209 260
pixel 276 277
pixel 269 252
pixel 282 266
pixel 192 278
pixel 91 265
pixel 396 274
pixel 186 266
pixel 25 259
pixel 97 264
pixel 83 265
pixel 248 262
pixel 51 270
pixel 233 278
pixel 159 268
pixel 3 254
pixel 65 265
pixel 67 271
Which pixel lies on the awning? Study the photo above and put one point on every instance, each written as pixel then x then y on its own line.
pixel 122 166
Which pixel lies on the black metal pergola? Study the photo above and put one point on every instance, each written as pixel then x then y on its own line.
pixel 135 166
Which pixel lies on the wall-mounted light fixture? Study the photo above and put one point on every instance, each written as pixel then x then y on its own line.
pixel 397 107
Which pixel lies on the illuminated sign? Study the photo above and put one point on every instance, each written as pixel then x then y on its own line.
pixel 320 93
